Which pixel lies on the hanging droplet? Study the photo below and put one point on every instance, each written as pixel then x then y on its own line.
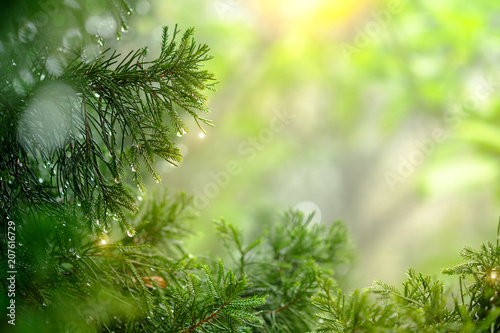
pixel 181 132
pixel 202 135
pixel 131 232
pixel 103 239
pixel 117 181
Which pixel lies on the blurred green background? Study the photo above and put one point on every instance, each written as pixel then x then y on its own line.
pixel 380 113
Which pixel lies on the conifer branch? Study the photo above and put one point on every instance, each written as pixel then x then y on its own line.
pixel 205 320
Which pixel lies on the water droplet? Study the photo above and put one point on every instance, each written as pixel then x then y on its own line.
pixel 117 181
pixel 103 239
pixel 131 232
pixel 181 132
pixel 202 135
pixel 133 169
pixel 40 180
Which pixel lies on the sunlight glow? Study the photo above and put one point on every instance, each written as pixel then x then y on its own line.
pixel 311 17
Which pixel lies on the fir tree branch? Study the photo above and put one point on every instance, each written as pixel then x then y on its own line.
pixel 205 320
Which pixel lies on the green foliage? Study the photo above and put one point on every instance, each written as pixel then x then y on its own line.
pixel 286 262
pixel 213 304
pixel 131 284
pixel 356 313
pixel 419 307
pixel 422 305
pixel 162 223
pixel 94 120
pixel 479 287
pixel 69 135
